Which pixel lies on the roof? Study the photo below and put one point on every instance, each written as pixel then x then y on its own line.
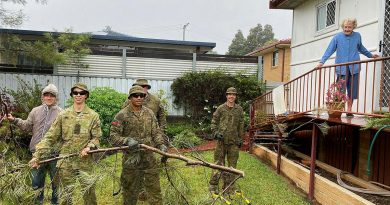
pixel 124 38
pixel 284 43
pixel 285 4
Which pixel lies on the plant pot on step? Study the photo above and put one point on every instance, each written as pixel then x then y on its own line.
pixel 335 109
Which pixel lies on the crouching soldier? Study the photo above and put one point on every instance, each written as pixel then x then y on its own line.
pixel 76 130
pixel 136 124
pixel 39 121
pixel 227 126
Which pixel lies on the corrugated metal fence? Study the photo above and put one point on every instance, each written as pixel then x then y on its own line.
pixel 64 83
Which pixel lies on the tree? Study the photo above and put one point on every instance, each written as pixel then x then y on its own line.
pixel 11 18
pixel 256 38
pixel 238 44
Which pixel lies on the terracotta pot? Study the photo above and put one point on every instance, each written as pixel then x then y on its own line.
pixel 334 114
pixel 335 109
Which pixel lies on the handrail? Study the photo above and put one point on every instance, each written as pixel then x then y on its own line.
pixel 308 91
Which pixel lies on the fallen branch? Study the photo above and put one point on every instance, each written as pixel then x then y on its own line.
pixel 189 162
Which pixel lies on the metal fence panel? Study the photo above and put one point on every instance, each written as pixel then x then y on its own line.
pixel 64 83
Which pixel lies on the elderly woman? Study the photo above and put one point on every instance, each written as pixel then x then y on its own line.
pixel 348 45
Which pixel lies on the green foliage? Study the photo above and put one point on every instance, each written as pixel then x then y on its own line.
pixel 174 129
pixel 21 102
pixel 160 94
pixel 107 102
pixel 257 37
pixel 63 48
pixel 237 47
pixel 377 122
pixel 195 92
pixel 186 139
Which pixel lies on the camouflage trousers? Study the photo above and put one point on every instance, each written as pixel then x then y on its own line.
pixel 135 176
pixel 67 176
pixel 231 153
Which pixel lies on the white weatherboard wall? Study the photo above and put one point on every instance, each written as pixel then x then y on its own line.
pixel 64 83
pixel 98 65
pixel 156 68
pixel 308 46
pixel 150 68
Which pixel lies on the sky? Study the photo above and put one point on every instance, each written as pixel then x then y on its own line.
pixel 214 21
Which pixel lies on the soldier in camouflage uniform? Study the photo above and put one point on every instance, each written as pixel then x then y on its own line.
pixel 227 126
pixel 132 125
pixel 152 102
pixel 76 129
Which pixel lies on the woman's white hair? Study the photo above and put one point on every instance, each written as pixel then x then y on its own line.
pixel 353 21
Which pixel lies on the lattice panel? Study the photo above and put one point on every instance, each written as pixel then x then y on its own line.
pixel 386 52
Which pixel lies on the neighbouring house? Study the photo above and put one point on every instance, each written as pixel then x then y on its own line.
pixel 363 154
pixel 117 60
pixel 275 62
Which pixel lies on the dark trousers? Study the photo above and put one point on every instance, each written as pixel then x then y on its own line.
pixel 38 181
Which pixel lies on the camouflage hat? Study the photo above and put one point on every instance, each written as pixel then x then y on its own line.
pixel 142 82
pixel 231 90
pixel 81 86
pixel 136 89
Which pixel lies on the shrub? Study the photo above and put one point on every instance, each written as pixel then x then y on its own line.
pixel 107 102
pixel 186 139
pixel 201 92
pixel 174 129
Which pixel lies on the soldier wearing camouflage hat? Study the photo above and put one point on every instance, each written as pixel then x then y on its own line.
pixel 76 129
pixel 38 122
pixel 152 102
pixel 227 127
pixel 136 124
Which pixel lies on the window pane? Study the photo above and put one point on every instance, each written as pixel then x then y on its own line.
pixel 275 57
pixel 321 17
pixel 331 13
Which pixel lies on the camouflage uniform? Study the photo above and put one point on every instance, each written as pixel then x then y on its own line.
pixel 152 102
pixel 70 133
pixel 141 126
pixel 229 122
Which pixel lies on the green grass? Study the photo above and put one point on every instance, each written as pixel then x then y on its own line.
pixel 261 184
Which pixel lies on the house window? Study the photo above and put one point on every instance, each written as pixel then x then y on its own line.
pixel 326 15
pixel 275 57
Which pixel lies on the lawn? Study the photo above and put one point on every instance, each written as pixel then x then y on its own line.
pixel 261 184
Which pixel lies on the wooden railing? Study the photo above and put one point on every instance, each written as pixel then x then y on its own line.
pixel 307 93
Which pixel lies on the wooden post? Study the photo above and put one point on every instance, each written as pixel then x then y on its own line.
pixel 279 152
pixel 313 161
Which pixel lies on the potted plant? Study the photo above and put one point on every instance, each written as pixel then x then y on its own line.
pixel 336 99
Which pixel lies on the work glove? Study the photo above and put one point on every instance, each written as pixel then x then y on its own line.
pixel 218 136
pixel 164 148
pixel 132 143
pixel 34 163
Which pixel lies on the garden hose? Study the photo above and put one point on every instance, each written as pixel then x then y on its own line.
pixel 371 146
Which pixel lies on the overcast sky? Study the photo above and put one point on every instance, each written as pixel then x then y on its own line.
pixel 209 20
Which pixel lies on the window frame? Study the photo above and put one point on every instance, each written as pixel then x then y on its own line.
pixel 275 58
pixel 329 28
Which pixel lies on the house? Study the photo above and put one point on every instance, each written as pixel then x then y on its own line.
pixel 363 154
pixel 117 60
pixel 275 62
